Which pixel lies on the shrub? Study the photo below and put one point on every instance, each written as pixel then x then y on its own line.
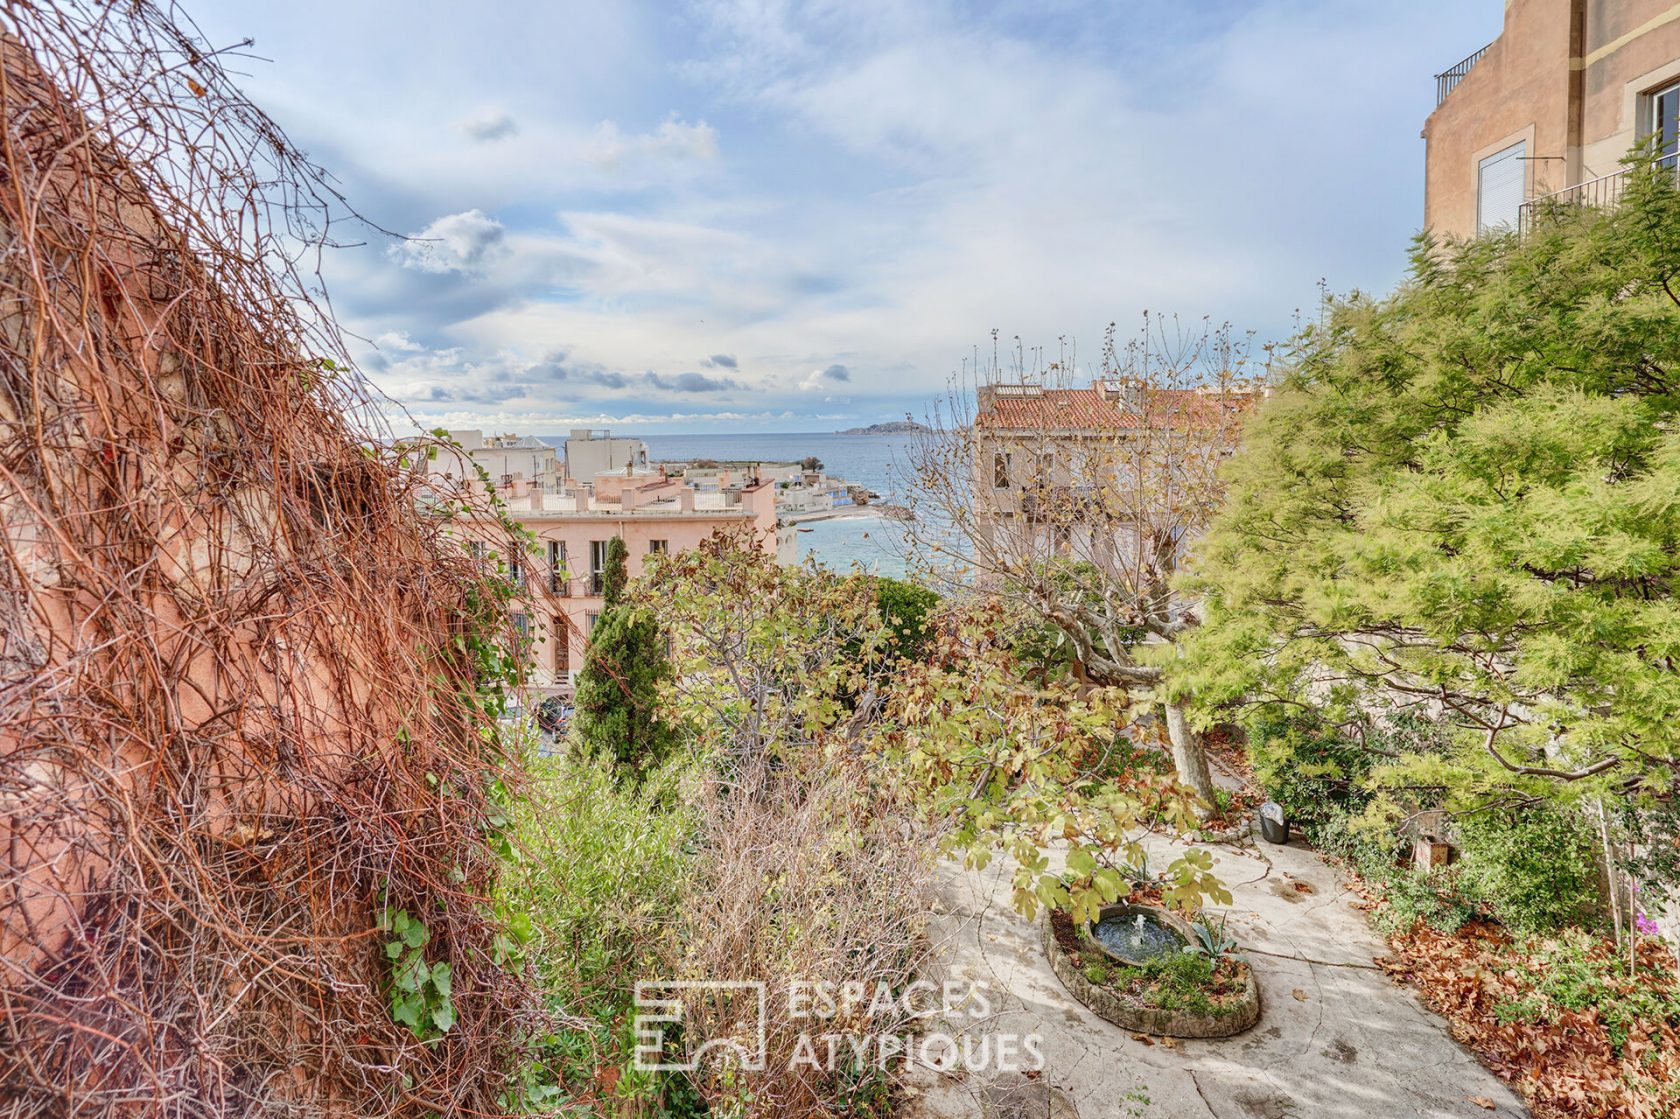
pixel 807 871
pixel 1535 869
pixel 1409 895
pixel 1306 767
pixel 904 608
pixel 603 870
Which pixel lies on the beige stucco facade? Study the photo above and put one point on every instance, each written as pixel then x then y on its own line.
pixel 651 513
pixel 1570 79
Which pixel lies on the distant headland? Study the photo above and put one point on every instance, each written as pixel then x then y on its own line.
pixel 891 427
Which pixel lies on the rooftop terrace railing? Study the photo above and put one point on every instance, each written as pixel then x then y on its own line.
pixel 1447 80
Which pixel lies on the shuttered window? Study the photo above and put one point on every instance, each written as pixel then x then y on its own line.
pixel 1499 189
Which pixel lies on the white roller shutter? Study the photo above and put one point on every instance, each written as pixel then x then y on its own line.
pixel 1499 189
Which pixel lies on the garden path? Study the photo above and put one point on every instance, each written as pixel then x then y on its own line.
pixel 1336 1037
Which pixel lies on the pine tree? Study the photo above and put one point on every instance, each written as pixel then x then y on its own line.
pixel 618 713
pixel 1465 495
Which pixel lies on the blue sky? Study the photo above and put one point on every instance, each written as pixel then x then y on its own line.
pixel 777 216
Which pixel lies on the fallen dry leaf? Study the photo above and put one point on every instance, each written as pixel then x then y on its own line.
pixel 1145 1038
pixel 1168 1043
pixel 1300 995
pixel 1304 887
pixel 1484 1102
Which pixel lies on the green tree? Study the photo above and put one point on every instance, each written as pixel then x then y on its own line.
pixel 905 608
pixel 1466 495
pixel 618 702
pixel 799 665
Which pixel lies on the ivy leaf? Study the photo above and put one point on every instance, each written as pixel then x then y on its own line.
pixel 443 1016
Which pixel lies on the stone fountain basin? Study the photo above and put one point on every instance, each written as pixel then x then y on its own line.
pixel 1122 918
pixel 1129 1014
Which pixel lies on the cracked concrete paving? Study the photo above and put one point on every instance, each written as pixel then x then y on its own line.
pixel 1354 1043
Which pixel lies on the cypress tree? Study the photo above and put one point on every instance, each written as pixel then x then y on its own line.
pixel 618 712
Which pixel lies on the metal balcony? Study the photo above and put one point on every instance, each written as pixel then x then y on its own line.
pixel 1600 193
pixel 1447 80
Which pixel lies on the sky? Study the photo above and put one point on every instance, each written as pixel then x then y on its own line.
pixel 766 215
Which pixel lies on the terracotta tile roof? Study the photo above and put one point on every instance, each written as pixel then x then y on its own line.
pixel 1089 409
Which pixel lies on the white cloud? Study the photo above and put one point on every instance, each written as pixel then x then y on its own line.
pixel 462 242
pixel 674 140
pixel 902 176
pixel 397 341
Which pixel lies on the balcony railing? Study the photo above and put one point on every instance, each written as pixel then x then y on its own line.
pixel 1600 193
pixel 1447 80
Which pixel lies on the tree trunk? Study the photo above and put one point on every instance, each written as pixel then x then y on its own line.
pixel 1189 755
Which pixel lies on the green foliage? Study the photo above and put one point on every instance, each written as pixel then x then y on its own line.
pixel 771 660
pixel 618 713
pixel 1471 489
pixel 1534 868
pixel 1176 981
pixel 604 868
pixel 1653 849
pixel 1008 765
pixel 1531 866
pixel 1190 879
pixel 419 990
pixel 1043 648
pixel 1210 938
pixel 905 609
pixel 1575 972
pixel 1409 895
pixel 615 573
pixel 809 862
pixel 1308 768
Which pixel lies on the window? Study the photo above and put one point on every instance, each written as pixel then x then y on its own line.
pixel 1000 470
pixel 659 547
pixel 1665 113
pixel 562 647
pixel 558 582
pixel 1500 189
pixel 597 565
pixel 516 563
pixel 589 620
pixel 522 633
pixel 1046 466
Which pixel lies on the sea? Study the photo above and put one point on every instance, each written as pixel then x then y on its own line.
pixel 880 462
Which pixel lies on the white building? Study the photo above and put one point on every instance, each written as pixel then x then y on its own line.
pixel 506 458
pixel 592 451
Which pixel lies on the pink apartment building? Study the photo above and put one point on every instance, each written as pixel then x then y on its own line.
pixel 574 521
pixel 573 530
